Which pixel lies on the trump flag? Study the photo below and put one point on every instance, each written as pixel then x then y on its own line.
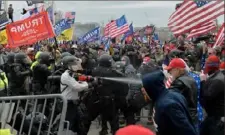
pixel 30 30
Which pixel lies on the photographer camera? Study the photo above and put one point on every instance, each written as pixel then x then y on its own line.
pixel 70 87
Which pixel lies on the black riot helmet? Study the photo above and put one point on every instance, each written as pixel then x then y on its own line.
pixel 10 58
pixel 65 54
pixel 72 63
pixel 105 60
pixel 119 66
pixel 148 67
pixel 116 55
pixel 21 58
pixel 45 58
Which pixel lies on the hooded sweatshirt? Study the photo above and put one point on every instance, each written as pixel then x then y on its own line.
pixel 129 69
pixel 171 116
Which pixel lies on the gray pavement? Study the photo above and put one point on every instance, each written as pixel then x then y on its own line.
pixel 95 128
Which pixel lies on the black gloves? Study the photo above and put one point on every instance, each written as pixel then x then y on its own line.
pixel 95 82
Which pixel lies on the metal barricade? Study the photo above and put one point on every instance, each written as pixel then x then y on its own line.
pixel 34 114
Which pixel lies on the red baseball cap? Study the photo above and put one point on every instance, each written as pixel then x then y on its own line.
pixel 212 63
pixel 222 66
pixel 176 63
pixel 134 130
pixel 146 60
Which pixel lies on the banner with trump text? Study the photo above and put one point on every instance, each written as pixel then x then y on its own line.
pixel 30 30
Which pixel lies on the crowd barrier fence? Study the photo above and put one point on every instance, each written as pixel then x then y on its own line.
pixel 34 114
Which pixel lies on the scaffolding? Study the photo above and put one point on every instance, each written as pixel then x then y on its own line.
pixel 3 5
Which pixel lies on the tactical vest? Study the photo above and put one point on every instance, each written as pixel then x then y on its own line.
pixel 3 81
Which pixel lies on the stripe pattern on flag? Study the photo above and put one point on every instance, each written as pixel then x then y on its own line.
pixel 116 27
pixel 220 37
pixel 168 82
pixel 203 29
pixel 192 14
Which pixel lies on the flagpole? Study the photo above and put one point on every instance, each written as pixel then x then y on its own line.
pixel 53 10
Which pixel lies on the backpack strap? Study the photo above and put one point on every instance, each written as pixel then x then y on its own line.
pixel 66 86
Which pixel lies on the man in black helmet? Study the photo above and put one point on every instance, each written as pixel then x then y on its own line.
pixel 109 92
pixel 19 73
pixel 54 80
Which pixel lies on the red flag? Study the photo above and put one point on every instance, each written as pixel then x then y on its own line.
pixel 30 30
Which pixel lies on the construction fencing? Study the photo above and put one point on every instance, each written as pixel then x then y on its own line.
pixel 34 114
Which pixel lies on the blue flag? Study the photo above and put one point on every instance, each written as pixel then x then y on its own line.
pixel 61 26
pixel 50 13
pixel 128 33
pixel 91 36
pixel 107 44
pixel 156 36
pixel 104 39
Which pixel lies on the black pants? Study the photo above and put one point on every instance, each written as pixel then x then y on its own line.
pixel 72 116
pixel 110 114
pixel 212 126
pixel 11 17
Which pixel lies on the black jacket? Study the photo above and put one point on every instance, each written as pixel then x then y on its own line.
pixel 187 86
pixel 111 89
pixel 212 94
pixel 53 84
pixel 18 74
pixel 40 76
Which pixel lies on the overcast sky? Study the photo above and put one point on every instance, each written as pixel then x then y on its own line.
pixel 141 13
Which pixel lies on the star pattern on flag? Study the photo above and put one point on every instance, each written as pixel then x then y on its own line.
pixel 199 107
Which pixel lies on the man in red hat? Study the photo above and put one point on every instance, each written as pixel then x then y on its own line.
pixel 184 84
pixel 212 98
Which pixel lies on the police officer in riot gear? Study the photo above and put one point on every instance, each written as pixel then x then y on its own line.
pixel 3 84
pixel 116 55
pixel 59 66
pixel 9 62
pixel 54 79
pixel 119 66
pixel 8 68
pixel 109 92
pixel 19 72
pixel 41 73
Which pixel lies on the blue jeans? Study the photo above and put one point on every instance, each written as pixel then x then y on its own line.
pixel 197 127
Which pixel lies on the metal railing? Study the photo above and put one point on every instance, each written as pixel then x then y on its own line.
pixel 34 114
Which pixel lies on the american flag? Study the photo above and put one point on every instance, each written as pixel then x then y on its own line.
pixel 168 82
pixel 203 29
pixel 37 10
pixel 70 16
pixel 116 27
pixel 33 11
pixel 193 14
pixel 220 37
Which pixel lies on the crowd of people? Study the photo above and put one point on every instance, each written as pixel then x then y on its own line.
pixel 182 82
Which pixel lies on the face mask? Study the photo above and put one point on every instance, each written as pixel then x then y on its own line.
pixel 75 68
pixel 124 62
